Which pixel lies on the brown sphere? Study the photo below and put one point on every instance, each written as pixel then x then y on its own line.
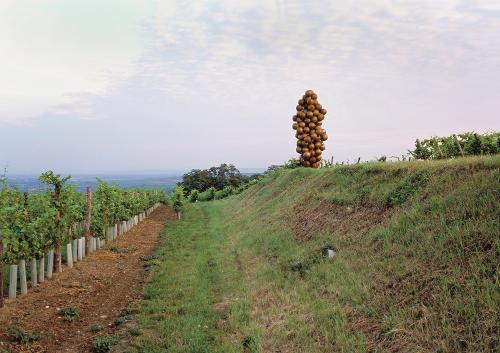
pixel 298 149
pixel 301 114
pixel 302 124
pixel 295 126
pixel 307 120
pixel 294 118
pixel 312 125
pixel 309 114
pixel 324 136
pixel 314 119
pixel 306 129
pixel 310 146
pixel 301 102
pixel 306 155
pixel 317 152
pixel 316 113
pixel 307 138
pixel 322 147
pixel 312 159
pixel 323 111
pixel 300 130
pixel 299 108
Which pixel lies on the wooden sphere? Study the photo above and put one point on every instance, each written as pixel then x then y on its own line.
pixel 309 115
pixel 301 136
pixel 318 152
pixel 301 114
pixel 310 107
pixel 316 112
pixel 314 96
pixel 324 136
pixel 298 149
pixel 312 125
pixel 306 129
pixel 307 138
pixel 301 102
pixel 310 146
pixel 295 126
pixel 312 159
pixel 322 147
pixel 306 155
pixel 323 111
pixel 294 118
pixel 299 108
pixel 300 130
pixel 319 106
pixel 302 124
pixel 314 119
pixel 307 164
pixel 307 120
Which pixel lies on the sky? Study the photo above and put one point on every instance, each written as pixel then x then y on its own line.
pixel 142 85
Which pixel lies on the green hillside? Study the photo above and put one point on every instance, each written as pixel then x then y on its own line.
pixel 416 267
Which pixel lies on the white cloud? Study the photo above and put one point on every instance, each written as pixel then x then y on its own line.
pixel 53 49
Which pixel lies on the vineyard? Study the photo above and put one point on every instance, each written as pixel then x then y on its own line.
pixel 42 230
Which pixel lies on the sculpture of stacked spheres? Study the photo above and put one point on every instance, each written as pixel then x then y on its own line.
pixel 310 135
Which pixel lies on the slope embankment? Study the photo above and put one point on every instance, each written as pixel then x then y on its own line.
pixel 415 268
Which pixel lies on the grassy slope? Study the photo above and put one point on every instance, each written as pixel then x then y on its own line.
pixel 416 267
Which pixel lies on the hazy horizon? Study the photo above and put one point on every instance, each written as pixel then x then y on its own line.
pixel 146 85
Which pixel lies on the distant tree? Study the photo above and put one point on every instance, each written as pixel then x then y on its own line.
pixel 214 177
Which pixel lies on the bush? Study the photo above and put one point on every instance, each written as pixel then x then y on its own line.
pixel 104 344
pixel 467 144
pixel 70 313
pixel 18 334
pixel 193 195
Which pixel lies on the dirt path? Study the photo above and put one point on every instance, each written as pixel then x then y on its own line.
pixel 100 286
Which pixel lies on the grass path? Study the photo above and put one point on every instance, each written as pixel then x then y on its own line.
pixel 215 291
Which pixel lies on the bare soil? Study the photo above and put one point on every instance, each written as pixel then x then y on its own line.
pixel 100 286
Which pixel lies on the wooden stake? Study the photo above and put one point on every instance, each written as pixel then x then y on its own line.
pixel 88 218
pixel 1 271
pixel 57 253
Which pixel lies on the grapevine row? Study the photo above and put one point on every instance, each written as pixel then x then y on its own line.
pixel 35 227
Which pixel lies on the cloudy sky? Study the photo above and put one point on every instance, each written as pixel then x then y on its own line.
pixel 122 85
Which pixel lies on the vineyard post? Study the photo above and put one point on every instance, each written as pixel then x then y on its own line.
pixel 69 254
pixel 74 249
pixel 50 263
pixel 22 276
pixel 41 270
pixel 12 281
pixel 1 271
pixel 88 218
pixel 458 145
pixel 34 275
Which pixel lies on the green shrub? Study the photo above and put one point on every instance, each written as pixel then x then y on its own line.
pixel 70 313
pixel 104 344
pixel 18 334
